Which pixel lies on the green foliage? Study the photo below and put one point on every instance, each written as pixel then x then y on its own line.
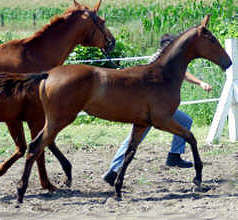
pixel 122 49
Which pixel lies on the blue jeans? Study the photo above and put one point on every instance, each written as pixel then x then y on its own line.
pixel 177 146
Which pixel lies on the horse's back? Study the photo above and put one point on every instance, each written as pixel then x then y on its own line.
pixel 70 74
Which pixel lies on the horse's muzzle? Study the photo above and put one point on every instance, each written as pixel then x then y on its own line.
pixel 110 45
pixel 225 64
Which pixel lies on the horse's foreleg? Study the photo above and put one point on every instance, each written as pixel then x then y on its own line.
pixel 16 130
pixel 137 133
pixel 65 164
pixel 173 127
pixel 197 160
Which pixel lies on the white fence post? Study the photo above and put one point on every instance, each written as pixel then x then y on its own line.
pixel 228 100
pixel 233 111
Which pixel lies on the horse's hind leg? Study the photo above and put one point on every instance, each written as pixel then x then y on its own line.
pixel 65 164
pixel 17 132
pixel 173 127
pixel 137 133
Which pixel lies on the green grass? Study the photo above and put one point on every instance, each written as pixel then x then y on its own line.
pixel 111 134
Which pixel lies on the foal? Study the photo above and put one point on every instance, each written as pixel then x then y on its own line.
pixel 47 48
pixel 145 95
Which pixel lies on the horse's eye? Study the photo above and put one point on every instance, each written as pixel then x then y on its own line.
pixel 94 17
pixel 205 31
pixel 213 39
pixel 102 21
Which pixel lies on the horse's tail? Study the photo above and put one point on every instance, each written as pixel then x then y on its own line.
pixel 14 83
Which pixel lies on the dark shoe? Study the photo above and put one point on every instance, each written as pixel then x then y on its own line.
pixel 175 160
pixel 110 177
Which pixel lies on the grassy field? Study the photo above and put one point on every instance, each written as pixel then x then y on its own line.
pixel 96 135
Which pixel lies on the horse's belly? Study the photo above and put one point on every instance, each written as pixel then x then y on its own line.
pixel 120 112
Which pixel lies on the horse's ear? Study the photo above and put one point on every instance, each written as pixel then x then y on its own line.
pixel 76 4
pixel 205 21
pixel 97 6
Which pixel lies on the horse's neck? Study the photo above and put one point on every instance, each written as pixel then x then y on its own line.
pixel 174 62
pixel 59 42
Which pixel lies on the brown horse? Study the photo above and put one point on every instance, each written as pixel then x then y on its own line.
pixel 50 46
pixel 145 95
pixel 47 48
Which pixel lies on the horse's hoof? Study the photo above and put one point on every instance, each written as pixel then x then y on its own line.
pixel 68 183
pixel 202 188
pixel 52 188
pixel 19 197
pixel 20 192
pixel 197 182
pixel 17 205
pixel 48 186
pixel 118 198
pixel 118 194
pixel 19 200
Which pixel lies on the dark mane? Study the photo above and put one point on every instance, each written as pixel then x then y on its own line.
pixel 165 49
pixel 12 83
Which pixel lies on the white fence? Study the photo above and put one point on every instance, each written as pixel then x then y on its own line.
pixel 228 104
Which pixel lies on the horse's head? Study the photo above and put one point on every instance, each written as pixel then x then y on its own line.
pixel 91 28
pixel 208 47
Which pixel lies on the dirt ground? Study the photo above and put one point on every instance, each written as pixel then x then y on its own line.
pixel 151 190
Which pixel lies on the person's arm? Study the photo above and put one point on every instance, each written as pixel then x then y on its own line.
pixel 192 79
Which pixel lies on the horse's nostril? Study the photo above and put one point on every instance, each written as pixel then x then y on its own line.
pixel 110 45
pixel 225 63
pixel 228 64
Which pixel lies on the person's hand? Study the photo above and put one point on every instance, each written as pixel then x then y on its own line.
pixel 205 86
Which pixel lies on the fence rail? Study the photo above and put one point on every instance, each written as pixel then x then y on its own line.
pixel 112 59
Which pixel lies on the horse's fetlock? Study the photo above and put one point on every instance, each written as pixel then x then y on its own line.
pixel 68 167
pixel 199 166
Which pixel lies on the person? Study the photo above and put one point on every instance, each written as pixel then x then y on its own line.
pixel 178 143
